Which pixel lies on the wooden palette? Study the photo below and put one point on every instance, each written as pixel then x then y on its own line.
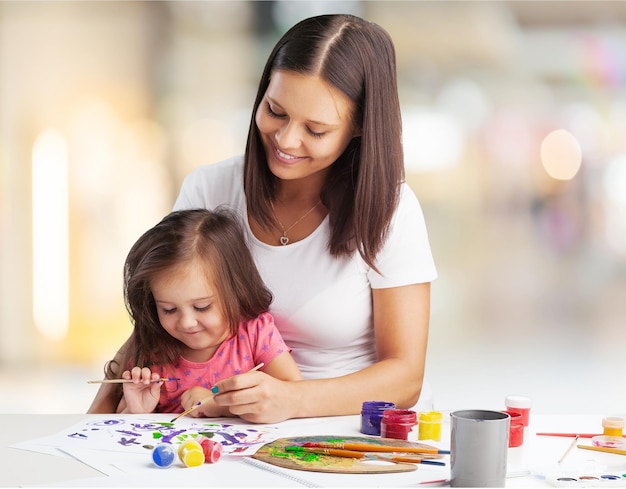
pixel 274 453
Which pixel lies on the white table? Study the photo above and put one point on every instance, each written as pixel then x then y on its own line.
pixel 528 464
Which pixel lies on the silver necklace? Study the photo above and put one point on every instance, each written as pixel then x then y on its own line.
pixel 284 240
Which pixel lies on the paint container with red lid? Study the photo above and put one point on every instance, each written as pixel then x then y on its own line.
pixel 519 404
pixel 398 423
pixel 516 429
pixel 212 449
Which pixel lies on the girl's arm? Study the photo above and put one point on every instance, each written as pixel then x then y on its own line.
pixel 283 367
pixel 401 318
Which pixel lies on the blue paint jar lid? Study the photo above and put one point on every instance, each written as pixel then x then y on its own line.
pixel 163 455
pixel 372 414
pixel 373 407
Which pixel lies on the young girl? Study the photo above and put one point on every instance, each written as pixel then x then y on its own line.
pixel 200 313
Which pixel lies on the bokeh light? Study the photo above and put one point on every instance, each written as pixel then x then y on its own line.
pixel 561 155
pixel 51 251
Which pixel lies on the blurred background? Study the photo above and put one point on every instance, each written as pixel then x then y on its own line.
pixel 515 138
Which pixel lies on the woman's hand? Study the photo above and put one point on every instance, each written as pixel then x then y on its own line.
pixel 257 397
pixel 269 396
pixel 142 394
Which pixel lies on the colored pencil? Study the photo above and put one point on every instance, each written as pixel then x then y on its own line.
pixel 337 452
pixel 125 381
pixel 372 447
pixel 603 449
pixel 206 399
pixel 569 449
pixel 572 435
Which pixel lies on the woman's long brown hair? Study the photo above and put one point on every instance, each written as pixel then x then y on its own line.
pixel 362 188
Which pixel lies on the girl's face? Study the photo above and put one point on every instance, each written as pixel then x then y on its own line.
pixel 305 124
pixel 189 310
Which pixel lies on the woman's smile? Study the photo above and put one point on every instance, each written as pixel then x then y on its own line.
pixel 285 157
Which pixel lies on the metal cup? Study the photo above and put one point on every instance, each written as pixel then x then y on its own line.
pixel 479 443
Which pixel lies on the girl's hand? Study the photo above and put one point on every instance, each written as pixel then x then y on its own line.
pixel 142 394
pixel 209 409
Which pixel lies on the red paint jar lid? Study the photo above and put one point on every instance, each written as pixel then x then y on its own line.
pixel 519 402
pixel 399 416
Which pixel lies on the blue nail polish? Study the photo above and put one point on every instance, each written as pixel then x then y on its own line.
pixel 214 389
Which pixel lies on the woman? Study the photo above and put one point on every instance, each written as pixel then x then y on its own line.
pixel 337 235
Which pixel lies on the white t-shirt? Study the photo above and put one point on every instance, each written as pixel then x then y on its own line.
pixel 322 305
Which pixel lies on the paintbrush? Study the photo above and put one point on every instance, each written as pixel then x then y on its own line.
pixel 371 447
pixel 125 381
pixel 572 435
pixel 325 451
pixel 569 449
pixel 206 399
pixel 603 449
pixel 336 452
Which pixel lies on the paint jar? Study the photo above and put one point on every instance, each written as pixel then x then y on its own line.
pixel 605 441
pixel 429 426
pixel 372 415
pixel 397 423
pixel 163 455
pixel 613 426
pixel 191 454
pixel 612 437
pixel 212 449
pixel 519 404
pixel 516 429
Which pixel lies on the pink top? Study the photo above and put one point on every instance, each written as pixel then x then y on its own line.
pixel 257 341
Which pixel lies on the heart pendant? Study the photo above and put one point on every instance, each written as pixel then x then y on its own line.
pixel 284 240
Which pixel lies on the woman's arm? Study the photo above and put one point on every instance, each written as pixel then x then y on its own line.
pixel 107 400
pixel 401 318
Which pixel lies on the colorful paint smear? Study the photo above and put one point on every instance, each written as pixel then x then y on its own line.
pixel 138 433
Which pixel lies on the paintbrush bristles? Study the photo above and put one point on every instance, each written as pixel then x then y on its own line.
pixel 192 408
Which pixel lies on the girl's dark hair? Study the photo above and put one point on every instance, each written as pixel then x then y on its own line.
pixel 213 240
pixel 362 187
